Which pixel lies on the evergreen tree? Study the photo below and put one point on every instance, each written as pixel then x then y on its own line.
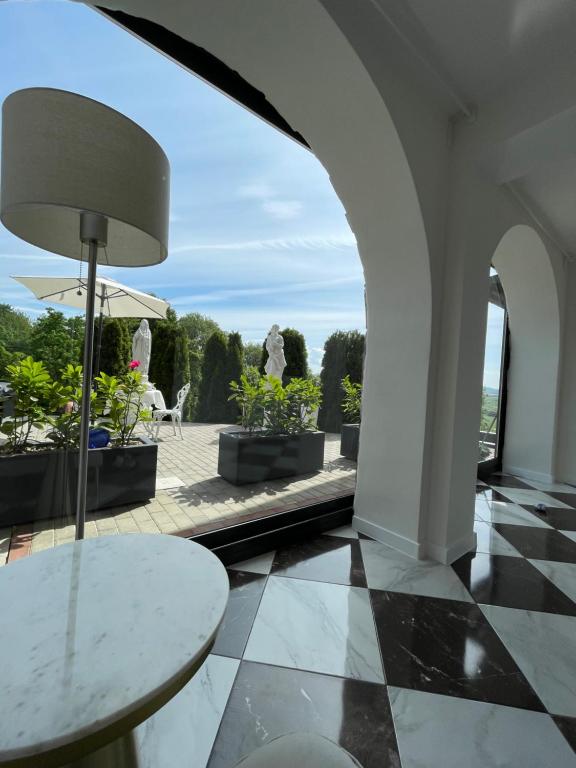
pixel 115 352
pixel 343 355
pixel 234 369
pixel 295 354
pixel 214 389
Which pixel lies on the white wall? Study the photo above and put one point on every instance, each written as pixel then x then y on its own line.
pixel 523 264
pixel 420 195
pixel 566 454
pixel 298 57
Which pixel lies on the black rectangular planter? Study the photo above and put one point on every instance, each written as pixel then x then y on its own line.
pixel 253 458
pixel 349 439
pixel 42 485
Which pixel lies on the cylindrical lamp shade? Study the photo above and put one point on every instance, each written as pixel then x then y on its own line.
pixel 64 154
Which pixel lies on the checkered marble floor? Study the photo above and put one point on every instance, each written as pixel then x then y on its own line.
pixel 405 663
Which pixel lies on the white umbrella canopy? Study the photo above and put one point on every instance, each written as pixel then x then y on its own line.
pixel 112 298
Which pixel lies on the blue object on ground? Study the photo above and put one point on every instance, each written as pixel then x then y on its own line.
pixel 98 438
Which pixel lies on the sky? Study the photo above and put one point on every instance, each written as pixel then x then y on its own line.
pixel 257 233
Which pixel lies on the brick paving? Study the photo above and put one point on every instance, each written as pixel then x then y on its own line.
pixel 202 500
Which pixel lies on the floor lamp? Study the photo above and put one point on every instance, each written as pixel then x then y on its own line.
pixel 79 178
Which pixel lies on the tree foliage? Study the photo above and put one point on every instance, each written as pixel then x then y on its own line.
pixel 198 329
pixel 343 356
pixel 252 354
pixel 15 330
pixel 116 350
pixel 214 387
pixel 57 340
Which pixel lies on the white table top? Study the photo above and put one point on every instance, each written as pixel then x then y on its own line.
pixel 99 634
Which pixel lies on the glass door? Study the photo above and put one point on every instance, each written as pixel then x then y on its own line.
pixel 491 431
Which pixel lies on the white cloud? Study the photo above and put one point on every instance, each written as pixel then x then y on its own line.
pixel 257 191
pixel 282 209
pixel 312 243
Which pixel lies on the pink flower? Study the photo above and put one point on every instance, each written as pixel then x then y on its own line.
pixel 134 364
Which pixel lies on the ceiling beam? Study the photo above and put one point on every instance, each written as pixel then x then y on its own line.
pixel 544 144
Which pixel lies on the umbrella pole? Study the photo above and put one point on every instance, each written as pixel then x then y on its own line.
pixel 99 343
pixel 93 231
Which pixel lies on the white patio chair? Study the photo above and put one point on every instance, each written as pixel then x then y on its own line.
pixel 175 413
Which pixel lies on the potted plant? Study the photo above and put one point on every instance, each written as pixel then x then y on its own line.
pixel 278 437
pixel 38 477
pixel 351 407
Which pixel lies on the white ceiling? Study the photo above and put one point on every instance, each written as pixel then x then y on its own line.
pixel 490 46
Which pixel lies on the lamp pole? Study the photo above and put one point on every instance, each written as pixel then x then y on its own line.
pixel 94 233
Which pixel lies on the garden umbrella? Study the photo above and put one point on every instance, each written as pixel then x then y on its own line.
pixel 113 299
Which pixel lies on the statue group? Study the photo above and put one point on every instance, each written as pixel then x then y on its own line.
pixel 275 347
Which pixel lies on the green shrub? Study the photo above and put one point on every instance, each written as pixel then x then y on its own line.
pixel 352 401
pixel 265 404
pixel 30 383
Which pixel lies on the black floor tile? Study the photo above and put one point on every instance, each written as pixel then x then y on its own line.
pixel 447 647
pixel 561 519
pixel 268 701
pixel 511 582
pixel 568 727
pixel 245 593
pixel 489 494
pixel 326 558
pixel 507 481
pixel 539 543
pixel 565 498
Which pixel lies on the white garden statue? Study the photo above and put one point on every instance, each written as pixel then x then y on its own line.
pixel 142 349
pixel 275 347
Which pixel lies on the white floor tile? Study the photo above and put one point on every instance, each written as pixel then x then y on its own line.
pixel 261 564
pixel 491 542
pixel 554 487
pixel 504 512
pixel 563 575
pixel 524 496
pixel 315 626
pixel 389 569
pixel 542 644
pixel 436 731
pixel 183 731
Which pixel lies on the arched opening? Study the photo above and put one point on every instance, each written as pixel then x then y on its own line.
pixel 296 55
pixel 523 265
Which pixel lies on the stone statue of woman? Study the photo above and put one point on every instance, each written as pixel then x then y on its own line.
pixel 142 348
pixel 275 347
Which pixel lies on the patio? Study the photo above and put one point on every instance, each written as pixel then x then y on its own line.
pixel 190 496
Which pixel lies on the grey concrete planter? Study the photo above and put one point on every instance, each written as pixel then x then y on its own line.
pixel 349 439
pixel 253 458
pixel 42 485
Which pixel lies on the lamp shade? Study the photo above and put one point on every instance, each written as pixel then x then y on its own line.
pixel 64 154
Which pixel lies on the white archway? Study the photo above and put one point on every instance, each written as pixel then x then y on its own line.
pixel 527 276
pixel 297 56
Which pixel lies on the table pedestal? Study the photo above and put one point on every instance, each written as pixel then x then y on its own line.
pixel 122 753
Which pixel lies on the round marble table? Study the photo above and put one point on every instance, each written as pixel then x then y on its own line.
pixel 96 636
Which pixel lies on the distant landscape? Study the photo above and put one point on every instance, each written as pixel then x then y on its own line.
pixel 490 397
